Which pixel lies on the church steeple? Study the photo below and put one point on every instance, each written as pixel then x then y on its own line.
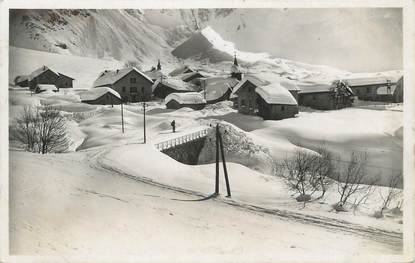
pixel 235 69
pixel 158 65
pixel 235 61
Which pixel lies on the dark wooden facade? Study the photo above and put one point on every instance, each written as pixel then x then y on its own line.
pixel 46 77
pixel 106 99
pixel 173 104
pixel 249 102
pixel 398 92
pixel 64 82
pixel 324 100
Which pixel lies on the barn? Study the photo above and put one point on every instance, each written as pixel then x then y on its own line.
pixel 45 75
pixel 271 101
pixel 163 87
pixel 192 100
pixel 132 84
pixel 377 88
pixel 324 96
pixel 101 96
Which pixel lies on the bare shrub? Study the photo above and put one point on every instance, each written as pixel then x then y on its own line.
pixel 299 172
pixel 26 130
pixel 323 168
pixel 391 194
pixel 350 180
pixel 42 130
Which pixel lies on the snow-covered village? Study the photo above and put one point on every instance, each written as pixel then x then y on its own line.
pixel 243 135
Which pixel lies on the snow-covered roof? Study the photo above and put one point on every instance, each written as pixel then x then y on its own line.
pixel 314 87
pixel 46 87
pixel 154 74
pixel 39 71
pixel 366 81
pixel 186 76
pixel 60 74
pixel 254 80
pixel 236 69
pixel 275 93
pixel 180 70
pixel 110 77
pixel 216 87
pixel 95 93
pixel 186 98
pixel 174 83
pixel 21 78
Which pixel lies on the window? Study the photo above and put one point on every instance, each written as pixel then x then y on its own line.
pixel 133 80
pixel 123 89
pixel 314 97
pixel 282 108
pixel 133 89
pixel 367 90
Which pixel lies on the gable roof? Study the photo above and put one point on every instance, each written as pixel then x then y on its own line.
pixel 216 87
pixel 186 76
pixel 249 78
pixel 110 77
pixel 95 93
pixel 186 98
pixel 275 93
pixel 40 71
pixel 60 74
pixel 180 70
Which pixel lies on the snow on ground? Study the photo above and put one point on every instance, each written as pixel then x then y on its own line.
pixel 84 70
pixel 77 207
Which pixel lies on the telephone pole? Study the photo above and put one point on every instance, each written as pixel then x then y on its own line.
pixel 122 117
pixel 144 120
pixel 219 144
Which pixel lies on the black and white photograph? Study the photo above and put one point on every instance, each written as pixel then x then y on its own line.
pixel 193 133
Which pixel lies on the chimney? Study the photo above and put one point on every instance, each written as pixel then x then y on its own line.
pixel 117 71
pixel 44 67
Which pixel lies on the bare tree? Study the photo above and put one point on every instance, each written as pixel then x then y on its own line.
pixel 41 130
pixel 350 180
pixel 391 193
pixel 52 131
pixel 322 169
pixel 298 171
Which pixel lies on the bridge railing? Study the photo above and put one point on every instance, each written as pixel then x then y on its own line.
pixel 181 140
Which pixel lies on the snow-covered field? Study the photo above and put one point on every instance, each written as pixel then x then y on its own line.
pixel 113 194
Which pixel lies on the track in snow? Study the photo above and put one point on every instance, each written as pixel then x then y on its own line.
pixel 392 238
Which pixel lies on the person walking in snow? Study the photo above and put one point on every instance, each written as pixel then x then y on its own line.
pixel 173 125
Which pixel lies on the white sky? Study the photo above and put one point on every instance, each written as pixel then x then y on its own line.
pixel 354 39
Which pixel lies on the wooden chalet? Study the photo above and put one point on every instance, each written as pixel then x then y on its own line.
pixel 271 101
pixel 324 96
pixel 45 75
pixel 132 84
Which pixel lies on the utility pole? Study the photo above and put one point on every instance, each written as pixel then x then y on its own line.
pixel 144 120
pixel 219 144
pixel 122 117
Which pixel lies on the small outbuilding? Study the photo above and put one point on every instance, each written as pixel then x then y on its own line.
pixel 187 77
pixel 101 96
pixel 181 70
pixel 40 88
pixel 165 86
pixel 45 75
pixel 192 100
